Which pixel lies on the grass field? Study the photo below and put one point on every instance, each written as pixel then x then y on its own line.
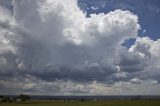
pixel 88 103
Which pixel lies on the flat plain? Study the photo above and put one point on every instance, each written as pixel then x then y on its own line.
pixel 86 103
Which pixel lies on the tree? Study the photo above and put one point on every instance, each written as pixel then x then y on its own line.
pixel 1 96
pixel 82 100
pixel 23 97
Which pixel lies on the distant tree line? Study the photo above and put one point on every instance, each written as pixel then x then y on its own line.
pixel 19 98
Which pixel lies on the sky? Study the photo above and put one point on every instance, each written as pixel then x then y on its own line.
pixel 80 47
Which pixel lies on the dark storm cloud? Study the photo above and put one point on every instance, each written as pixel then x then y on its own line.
pixel 71 73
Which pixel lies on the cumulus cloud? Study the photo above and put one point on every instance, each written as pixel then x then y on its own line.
pixel 51 45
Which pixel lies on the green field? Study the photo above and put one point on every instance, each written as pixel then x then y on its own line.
pixel 87 103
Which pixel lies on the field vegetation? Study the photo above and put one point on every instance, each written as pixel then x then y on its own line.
pixel 85 103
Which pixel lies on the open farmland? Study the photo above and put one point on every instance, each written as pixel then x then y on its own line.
pixel 86 103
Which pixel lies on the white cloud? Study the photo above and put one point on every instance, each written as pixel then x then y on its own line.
pixel 147 48
pixel 144 31
pixel 94 8
pixel 54 25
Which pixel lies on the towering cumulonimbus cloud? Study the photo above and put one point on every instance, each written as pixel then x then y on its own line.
pixel 43 43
